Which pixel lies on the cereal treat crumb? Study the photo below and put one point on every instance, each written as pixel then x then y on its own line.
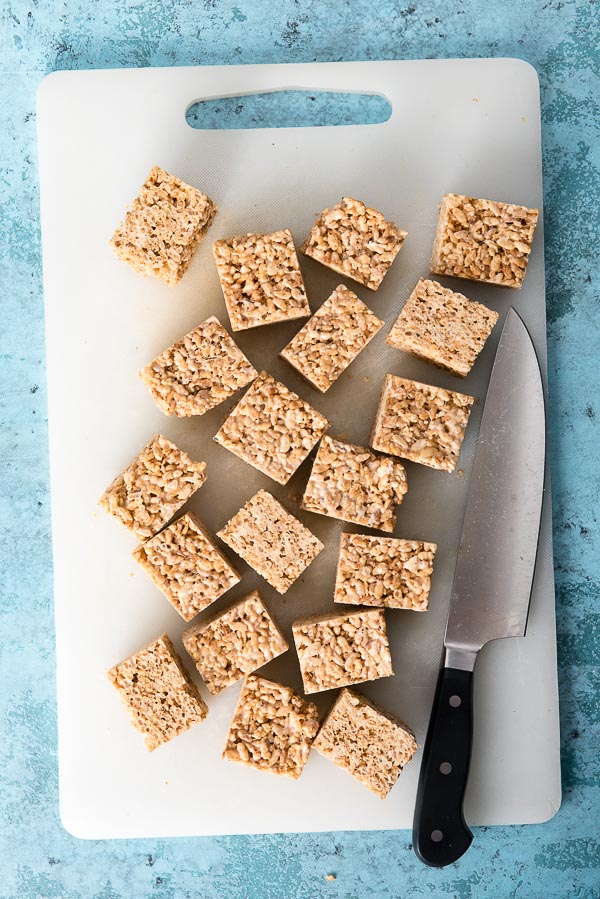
pixel 234 643
pixel 355 241
pixel 272 429
pixel 332 338
pixel 261 279
pixel 442 327
pixel 384 571
pixel 153 487
pixel 372 745
pixel 198 372
pixel 337 650
pixel 272 728
pixel 164 226
pixel 421 422
pixel 271 541
pixel 185 563
pixel 155 688
pixel 353 484
pixel 483 240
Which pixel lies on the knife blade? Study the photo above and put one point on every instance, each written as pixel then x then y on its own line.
pixel 492 582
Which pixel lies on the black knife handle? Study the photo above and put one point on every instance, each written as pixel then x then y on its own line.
pixel 440 835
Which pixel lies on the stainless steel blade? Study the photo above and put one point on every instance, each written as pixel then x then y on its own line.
pixel 495 565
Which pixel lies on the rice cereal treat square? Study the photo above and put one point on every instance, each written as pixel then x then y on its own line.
pixel 153 487
pixel 165 224
pixel 272 728
pixel 370 744
pixel 261 279
pixel 355 241
pixel 332 338
pixel 420 422
pixel 157 692
pixel 238 641
pixel 341 649
pixel 442 327
pixel 272 429
pixel 355 485
pixel 483 240
pixel 271 540
pixel 198 372
pixel 187 566
pixel 384 571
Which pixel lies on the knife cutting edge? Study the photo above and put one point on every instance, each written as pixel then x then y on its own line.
pixel 492 582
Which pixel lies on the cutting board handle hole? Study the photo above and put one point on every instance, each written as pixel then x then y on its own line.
pixel 288 109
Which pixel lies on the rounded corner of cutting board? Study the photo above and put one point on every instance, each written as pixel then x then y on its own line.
pixel 72 823
pixel 48 86
pixel 526 73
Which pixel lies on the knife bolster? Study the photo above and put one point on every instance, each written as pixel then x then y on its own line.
pixel 463 659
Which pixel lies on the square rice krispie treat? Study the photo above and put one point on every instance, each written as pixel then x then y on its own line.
pixel 261 279
pixel 355 241
pixel 353 484
pixel 185 563
pixel 483 240
pixel 384 571
pixel 157 692
pixel 164 226
pixel 198 372
pixel 153 487
pixel 421 422
pixel 271 541
pixel 443 327
pixel 370 744
pixel 332 338
pixel 346 648
pixel 272 429
pixel 272 728
pixel 238 641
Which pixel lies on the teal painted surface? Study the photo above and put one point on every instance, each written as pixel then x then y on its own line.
pixel 37 858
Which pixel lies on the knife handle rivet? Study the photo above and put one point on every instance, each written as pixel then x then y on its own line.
pixel 455 701
pixel 437 836
pixel 445 768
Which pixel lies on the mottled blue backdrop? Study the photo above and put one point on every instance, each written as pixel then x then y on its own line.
pixel 37 858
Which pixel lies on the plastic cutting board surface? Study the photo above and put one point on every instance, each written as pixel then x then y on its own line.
pixel 463 126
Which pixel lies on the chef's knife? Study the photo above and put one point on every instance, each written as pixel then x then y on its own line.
pixel 492 582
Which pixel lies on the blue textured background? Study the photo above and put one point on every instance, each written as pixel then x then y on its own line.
pixel 37 858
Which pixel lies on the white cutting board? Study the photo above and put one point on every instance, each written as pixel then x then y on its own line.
pixel 467 126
